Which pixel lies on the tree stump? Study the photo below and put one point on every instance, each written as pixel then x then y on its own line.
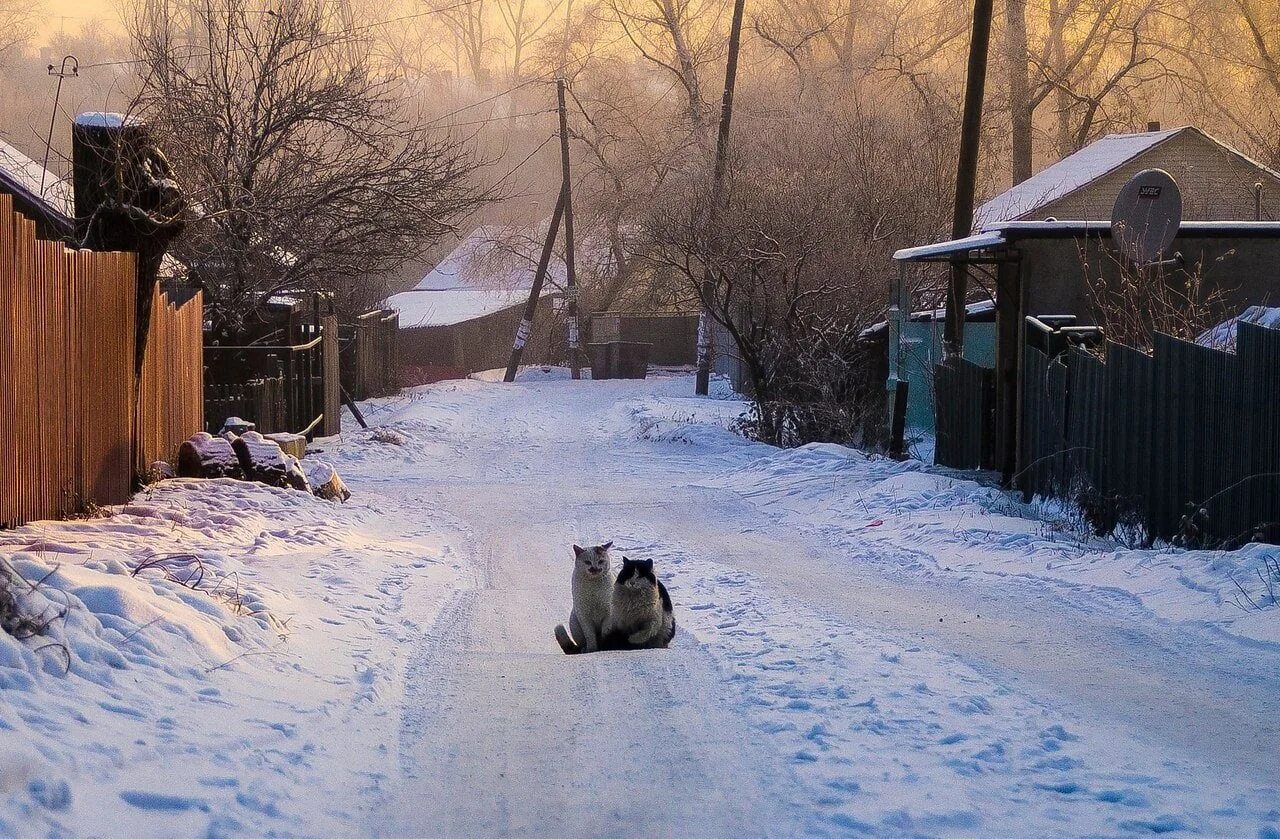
pixel 325 481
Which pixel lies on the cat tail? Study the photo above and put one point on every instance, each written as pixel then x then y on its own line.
pixel 566 642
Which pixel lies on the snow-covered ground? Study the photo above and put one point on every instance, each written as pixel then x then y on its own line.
pixel 865 647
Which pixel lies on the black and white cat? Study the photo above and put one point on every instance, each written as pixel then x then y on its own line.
pixel 592 591
pixel 640 614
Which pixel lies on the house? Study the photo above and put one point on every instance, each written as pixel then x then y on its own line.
pixel 1217 182
pixel 462 317
pixel 38 194
pixel 1038 247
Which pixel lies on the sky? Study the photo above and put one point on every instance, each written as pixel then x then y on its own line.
pixel 74 14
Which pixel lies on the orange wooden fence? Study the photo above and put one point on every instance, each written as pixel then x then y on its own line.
pixel 69 434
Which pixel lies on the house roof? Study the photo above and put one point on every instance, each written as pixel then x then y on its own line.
pixel 1078 170
pixel 1069 174
pixel 926 253
pixel 29 180
pixel 445 307
pixel 490 270
pixel 492 257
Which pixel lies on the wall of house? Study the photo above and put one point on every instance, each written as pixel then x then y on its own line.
pixel 1053 270
pixel 434 353
pixel 1216 185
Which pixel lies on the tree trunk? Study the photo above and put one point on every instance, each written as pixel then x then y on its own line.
pixel 1021 111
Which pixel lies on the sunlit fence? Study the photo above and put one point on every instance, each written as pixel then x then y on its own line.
pixel 75 428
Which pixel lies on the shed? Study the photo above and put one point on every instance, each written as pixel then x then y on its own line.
pixel 462 316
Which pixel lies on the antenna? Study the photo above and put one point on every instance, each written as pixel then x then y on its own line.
pixel 1146 217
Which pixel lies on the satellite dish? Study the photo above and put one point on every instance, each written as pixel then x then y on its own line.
pixel 1146 216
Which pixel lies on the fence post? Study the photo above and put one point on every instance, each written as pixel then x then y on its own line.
pixel 331 389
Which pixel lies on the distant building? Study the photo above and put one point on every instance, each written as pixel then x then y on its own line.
pixel 462 317
pixel 1217 182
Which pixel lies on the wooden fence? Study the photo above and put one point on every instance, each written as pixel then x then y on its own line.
pixel 71 431
pixel 300 396
pixel 370 367
pixel 1186 440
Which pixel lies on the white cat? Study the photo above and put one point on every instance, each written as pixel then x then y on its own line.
pixel 592 589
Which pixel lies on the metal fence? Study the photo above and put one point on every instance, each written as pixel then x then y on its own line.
pixel 71 430
pixel 1185 441
pixel 965 409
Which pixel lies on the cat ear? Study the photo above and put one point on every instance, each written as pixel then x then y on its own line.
pixel 607 545
pixel 577 551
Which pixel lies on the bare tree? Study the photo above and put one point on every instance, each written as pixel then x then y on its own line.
pixel 814 210
pixel 1132 303
pixel 305 168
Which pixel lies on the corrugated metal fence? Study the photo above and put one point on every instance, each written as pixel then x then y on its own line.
pixel 67 408
pixel 1186 439
pixel 965 414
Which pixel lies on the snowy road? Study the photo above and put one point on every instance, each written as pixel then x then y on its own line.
pixel 864 648
pixel 818 685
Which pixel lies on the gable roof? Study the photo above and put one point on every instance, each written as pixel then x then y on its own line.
pixel 489 271
pixel 489 259
pixel 1077 171
pixel 1069 174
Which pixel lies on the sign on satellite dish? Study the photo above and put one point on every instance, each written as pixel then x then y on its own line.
pixel 1146 216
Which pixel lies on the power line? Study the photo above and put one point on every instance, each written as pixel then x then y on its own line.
pixel 527 158
pixel 126 61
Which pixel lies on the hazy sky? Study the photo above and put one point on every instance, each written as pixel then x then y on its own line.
pixel 74 14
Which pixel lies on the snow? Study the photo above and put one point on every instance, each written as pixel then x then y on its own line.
pixel 865 647
pixel 979 242
pixel 28 174
pixel 445 308
pixel 103 119
pixel 1068 175
pixel 480 261
pixel 1223 336
pixel 480 277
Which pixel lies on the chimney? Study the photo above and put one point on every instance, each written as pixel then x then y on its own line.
pixel 1153 126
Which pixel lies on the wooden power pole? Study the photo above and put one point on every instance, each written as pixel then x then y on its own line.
pixel 705 340
pixel 535 292
pixel 967 174
pixel 566 198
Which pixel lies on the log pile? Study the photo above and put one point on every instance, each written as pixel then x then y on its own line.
pixel 252 457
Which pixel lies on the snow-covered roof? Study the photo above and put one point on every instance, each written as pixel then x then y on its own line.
pixel 445 307
pixel 27 175
pixel 1069 174
pixel 981 307
pixel 1223 336
pixel 492 257
pixel 979 242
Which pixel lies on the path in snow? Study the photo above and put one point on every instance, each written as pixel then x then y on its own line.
pixel 818 684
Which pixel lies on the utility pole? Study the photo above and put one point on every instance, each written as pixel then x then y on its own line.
pixel 967 174
pixel 70 69
pixel 705 340
pixel 535 293
pixel 566 198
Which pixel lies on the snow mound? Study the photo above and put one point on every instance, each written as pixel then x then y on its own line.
pixel 1223 336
